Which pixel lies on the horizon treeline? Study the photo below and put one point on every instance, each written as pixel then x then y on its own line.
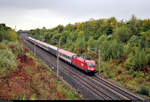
pixel 7 33
pixel 128 42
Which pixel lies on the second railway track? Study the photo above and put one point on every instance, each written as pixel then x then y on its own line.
pixel 93 87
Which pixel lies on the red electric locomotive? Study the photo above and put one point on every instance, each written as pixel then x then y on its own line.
pixel 87 65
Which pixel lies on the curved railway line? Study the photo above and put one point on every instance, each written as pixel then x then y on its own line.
pixel 92 87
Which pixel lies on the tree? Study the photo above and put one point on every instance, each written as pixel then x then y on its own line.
pixel 122 33
pixel 6 33
pixel 60 28
pixel 134 25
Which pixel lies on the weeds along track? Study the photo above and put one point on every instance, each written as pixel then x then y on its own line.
pixel 92 87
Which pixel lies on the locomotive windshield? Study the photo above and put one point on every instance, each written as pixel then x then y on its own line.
pixel 91 64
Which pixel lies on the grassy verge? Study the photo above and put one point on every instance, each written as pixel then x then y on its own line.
pixel 137 82
pixel 25 77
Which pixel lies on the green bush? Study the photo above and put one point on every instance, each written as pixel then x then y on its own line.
pixel 134 41
pixel 143 90
pixel 110 75
pixel 3 45
pixel 140 74
pixel 122 79
pixel 119 71
pixel 6 33
pixel 102 70
pixel 16 48
pixel 122 33
pixel 126 50
pixel 148 77
pixel 137 59
pixel 7 61
pixel 130 63
pixel 134 74
pixel 111 50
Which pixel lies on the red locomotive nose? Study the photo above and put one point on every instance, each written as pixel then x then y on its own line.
pixel 91 66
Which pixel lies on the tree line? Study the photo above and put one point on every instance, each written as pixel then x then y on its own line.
pixel 7 33
pixel 127 42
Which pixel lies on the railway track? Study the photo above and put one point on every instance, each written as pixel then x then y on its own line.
pixel 92 87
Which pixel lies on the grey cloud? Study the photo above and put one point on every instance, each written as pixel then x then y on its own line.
pixel 82 7
pixel 72 10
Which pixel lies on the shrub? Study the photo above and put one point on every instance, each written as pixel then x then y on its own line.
pixel 32 97
pixel 102 70
pixel 134 74
pixel 122 79
pixel 126 51
pixel 130 63
pixel 7 33
pixel 143 90
pixel 16 48
pixel 140 74
pixel 12 35
pixel 134 41
pixel 122 33
pixel 119 71
pixel 137 60
pixel 110 75
pixel 111 50
pixel 3 45
pixel 7 61
pixel 148 77
pixel 131 71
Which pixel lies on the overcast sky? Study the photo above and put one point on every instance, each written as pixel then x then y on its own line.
pixel 30 14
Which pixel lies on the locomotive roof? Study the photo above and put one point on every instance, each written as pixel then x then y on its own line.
pixel 83 59
pixel 66 52
pixel 45 44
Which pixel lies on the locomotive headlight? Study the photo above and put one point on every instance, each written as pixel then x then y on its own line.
pixel 91 68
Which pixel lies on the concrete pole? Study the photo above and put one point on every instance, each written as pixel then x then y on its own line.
pixel 34 50
pixel 58 58
pixel 57 63
pixel 99 60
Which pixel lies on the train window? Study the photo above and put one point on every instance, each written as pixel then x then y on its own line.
pixel 63 55
pixel 70 58
pixel 91 64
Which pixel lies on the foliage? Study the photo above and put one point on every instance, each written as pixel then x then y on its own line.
pixel 6 33
pixel 111 51
pixel 144 90
pixel 16 48
pixel 122 33
pixel 137 60
pixel 124 46
pixel 7 61
pixel 24 77
pixel 3 45
pixel 122 43
pixel 125 41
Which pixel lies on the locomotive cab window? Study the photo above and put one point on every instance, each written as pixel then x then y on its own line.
pixel 91 64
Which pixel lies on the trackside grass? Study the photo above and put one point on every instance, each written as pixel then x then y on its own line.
pixel 25 77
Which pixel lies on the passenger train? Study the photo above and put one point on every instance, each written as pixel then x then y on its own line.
pixel 88 66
